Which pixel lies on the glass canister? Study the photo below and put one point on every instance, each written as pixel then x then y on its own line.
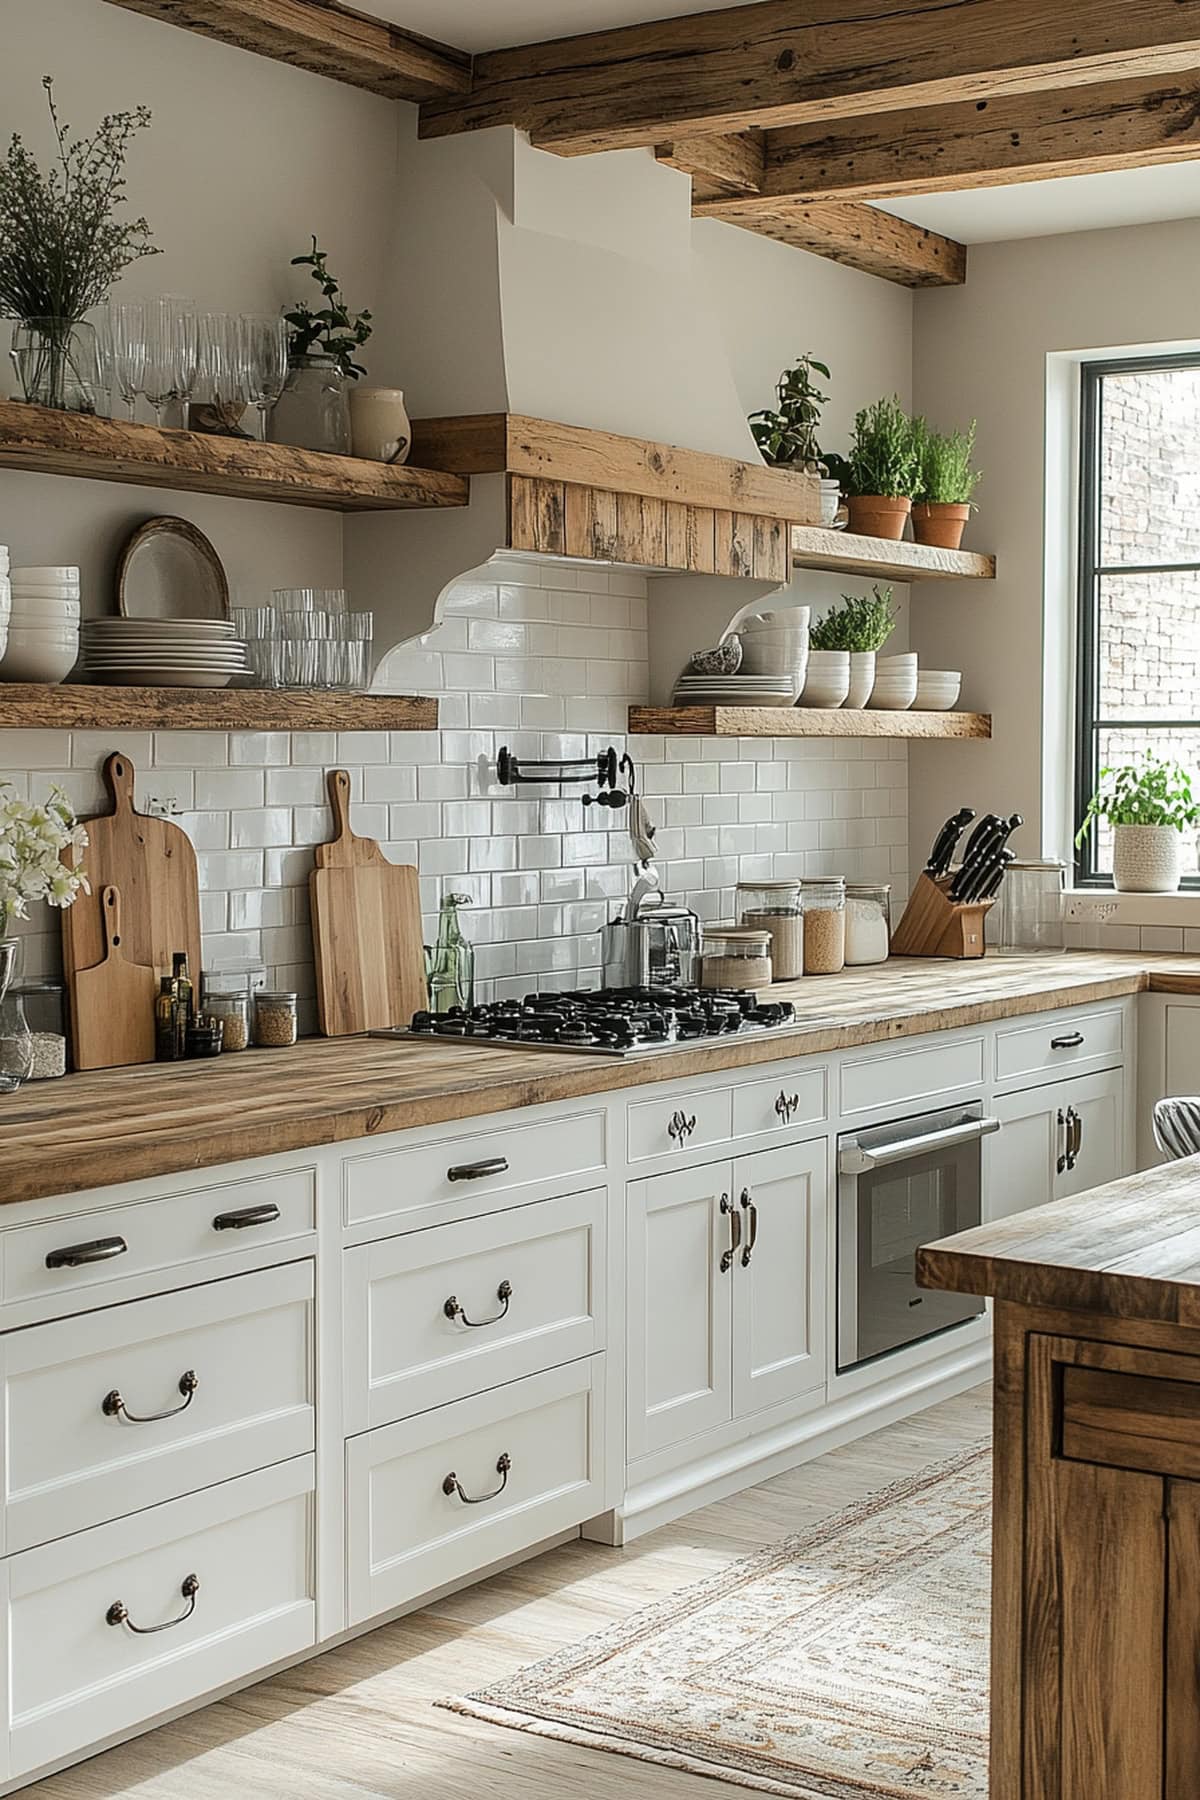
pixel 824 925
pixel 16 1043
pixel 868 923
pixel 450 964
pixel 776 907
pixel 1031 905
pixel 734 956
pixel 313 411
pixel 43 1004
pixel 233 1012
pixel 275 1020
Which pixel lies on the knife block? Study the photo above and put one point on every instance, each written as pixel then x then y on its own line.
pixel 935 925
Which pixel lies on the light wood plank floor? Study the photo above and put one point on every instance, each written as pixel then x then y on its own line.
pixel 359 1723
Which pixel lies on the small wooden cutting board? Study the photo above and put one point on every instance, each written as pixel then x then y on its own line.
pixel 366 925
pixel 114 1002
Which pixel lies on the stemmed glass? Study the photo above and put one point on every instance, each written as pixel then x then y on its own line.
pixel 263 357
pixel 219 380
pixel 127 340
pixel 185 343
pixel 160 357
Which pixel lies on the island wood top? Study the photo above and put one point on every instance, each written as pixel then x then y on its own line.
pixel 113 1125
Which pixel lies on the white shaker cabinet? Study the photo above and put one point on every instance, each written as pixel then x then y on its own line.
pixel 779 1288
pixel 1055 1141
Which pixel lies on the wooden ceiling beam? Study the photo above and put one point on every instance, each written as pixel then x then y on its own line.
pixel 985 143
pixel 789 62
pixel 857 236
pixel 717 165
pixel 326 39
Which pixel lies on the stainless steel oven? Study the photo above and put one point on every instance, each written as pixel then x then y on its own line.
pixel 899 1186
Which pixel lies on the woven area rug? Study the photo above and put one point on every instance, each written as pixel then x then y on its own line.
pixel 846 1662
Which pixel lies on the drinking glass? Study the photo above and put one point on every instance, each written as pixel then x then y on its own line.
pixel 264 361
pixel 127 336
pixel 185 348
pixel 160 356
pixel 219 382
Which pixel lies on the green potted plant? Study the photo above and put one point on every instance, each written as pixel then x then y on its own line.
pixel 313 410
pixel 787 435
pixel 881 470
pixel 63 244
pixel 945 483
pixel 860 626
pixel 1148 806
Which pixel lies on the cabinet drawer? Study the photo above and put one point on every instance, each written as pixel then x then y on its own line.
pixel 467 1172
pixel 1060 1043
pixel 677 1122
pixel 165 1233
pixel 535 1447
pixel 529 1280
pixel 1129 1421
pixel 74 1458
pixel 893 1078
pixel 797 1097
pixel 75 1678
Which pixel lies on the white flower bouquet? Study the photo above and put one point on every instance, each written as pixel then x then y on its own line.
pixel 33 837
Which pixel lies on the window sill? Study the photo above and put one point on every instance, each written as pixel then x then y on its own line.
pixel 1102 906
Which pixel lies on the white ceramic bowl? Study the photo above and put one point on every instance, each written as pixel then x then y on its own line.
pixel 41 611
pixel 893 696
pixel 38 662
pixel 937 689
pixel 45 590
pixel 774 652
pixel 48 574
pixel 827 679
pixel 896 665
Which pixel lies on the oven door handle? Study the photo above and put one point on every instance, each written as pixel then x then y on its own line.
pixel 854 1160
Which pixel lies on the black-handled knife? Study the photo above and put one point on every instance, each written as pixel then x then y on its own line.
pixel 974 844
pixel 946 839
pixel 987 876
pixel 983 852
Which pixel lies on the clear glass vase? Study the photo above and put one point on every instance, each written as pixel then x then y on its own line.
pixel 313 411
pixel 57 363
pixel 16 1040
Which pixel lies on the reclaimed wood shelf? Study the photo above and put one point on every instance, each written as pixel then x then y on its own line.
pixel 39 439
pixel 847 553
pixel 804 721
pixel 79 706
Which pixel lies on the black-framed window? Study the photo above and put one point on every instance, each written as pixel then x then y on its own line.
pixel 1139 580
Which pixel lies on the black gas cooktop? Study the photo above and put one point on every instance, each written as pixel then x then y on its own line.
pixel 604 1021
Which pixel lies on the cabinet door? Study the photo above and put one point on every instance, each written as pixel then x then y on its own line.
pixel 779 1276
pixel 1094 1109
pixel 1020 1160
pixel 680 1376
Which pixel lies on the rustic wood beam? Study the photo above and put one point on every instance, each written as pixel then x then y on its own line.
pixel 787 62
pixel 984 143
pixel 326 39
pixel 859 237
pixel 717 165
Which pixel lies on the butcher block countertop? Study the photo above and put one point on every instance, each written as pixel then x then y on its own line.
pixel 91 1130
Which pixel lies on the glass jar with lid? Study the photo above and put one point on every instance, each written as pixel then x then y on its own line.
pixel 233 1011
pixel 868 922
pixel 777 907
pixel 275 1020
pixel 824 901
pixel 1031 906
pixel 734 956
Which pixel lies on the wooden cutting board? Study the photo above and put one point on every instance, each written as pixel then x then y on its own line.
pixel 366 925
pixel 152 865
pixel 113 1009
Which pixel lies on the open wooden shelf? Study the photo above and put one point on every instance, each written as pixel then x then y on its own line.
pixel 846 553
pixel 39 439
pixel 802 721
pixel 81 707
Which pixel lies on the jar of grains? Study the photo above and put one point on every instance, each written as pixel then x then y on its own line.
pixel 868 927
pixel 735 957
pixel 824 925
pixel 233 1010
pixel 275 1020
pixel 776 906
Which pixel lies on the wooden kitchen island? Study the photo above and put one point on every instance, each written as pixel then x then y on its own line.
pixel 1096 1580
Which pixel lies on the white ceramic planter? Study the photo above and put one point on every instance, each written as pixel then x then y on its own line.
pixel 862 678
pixel 1145 859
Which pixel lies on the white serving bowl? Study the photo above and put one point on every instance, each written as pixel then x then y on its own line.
pixel 896 665
pixel 48 574
pixel 46 590
pixel 42 611
pixel 937 689
pixel 827 679
pixel 47 661
pixel 774 652
pixel 893 696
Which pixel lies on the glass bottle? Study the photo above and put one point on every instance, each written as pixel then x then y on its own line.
pixel 185 992
pixel 450 965
pixel 169 1023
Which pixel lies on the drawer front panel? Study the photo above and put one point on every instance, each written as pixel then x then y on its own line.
pixel 166 1233
pixel 75 1457
pixel 1060 1044
pixel 797 1097
pixel 530 1280
pixel 464 1174
pixel 75 1678
pixel 536 1446
pixel 911 1076
pixel 1130 1421
pixel 676 1122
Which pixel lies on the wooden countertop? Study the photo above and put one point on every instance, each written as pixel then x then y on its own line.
pixel 89 1130
pixel 1130 1250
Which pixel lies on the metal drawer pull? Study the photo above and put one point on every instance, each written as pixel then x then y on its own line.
pixel 113 1406
pixel 75 1255
pixel 1070 1040
pixel 118 1612
pixel 786 1105
pixel 491 1165
pixel 751 1212
pixel 453 1308
pixel 246 1215
pixel 680 1127
pixel 735 1234
pixel 452 1485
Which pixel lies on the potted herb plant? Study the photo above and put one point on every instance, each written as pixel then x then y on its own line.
pixel 62 246
pixel 945 483
pixel 860 627
pixel 787 435
pixel 313 410
pixel 1148 806
pixel 881 470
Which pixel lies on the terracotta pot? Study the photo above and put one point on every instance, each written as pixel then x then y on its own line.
pixel 878 515
pixel 940 522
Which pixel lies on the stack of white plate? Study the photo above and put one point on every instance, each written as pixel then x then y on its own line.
pixel 736 690
pixel 43 626
pixel 163 652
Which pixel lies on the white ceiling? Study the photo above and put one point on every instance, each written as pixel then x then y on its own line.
pixel 492 24
pixel 1044 208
